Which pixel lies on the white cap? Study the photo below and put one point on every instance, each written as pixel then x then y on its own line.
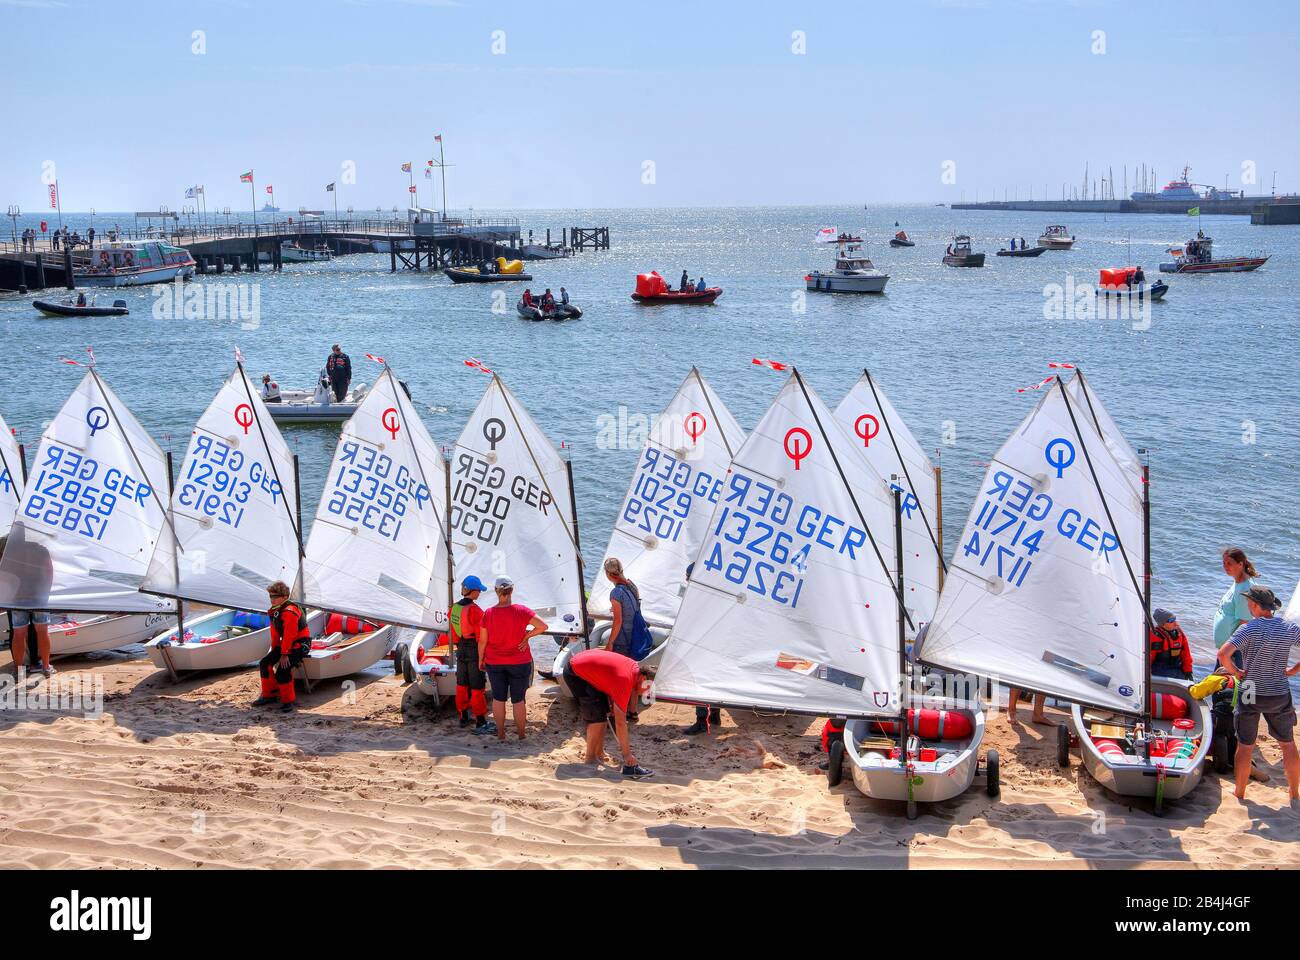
pixel 503 583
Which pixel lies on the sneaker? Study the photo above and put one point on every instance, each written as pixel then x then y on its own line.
pixel 631 717
pixel 696 728
pixel 48 672
pixel 287 708
pixel 266 701
pixel 637 772
pixel 464 718
pixel 486 727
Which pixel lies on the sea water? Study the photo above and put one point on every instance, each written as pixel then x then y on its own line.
pixel 1207 383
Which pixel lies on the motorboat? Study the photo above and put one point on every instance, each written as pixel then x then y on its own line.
pixel 901 239
pixel 1022 252
pixel 561 311
pixel 79 306
pixel 959 253
pixel 1119 282
pixel 1056 237
pixel 291 252
pixel 316 406
pixel 489 272
pixel 852 272
pixel 1197 256
pixel 130 263
pixel 707 295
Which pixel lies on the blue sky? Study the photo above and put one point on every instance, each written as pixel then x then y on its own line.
pixel 1010 91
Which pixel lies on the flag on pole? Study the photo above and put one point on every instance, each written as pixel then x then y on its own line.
pixel 1194 212
pixel 770 364
pixel 406 168
pixel 428 163
pixel 329 188
pixel 826 235
pixel 411 188
pixel 198 189
pixel 428 173
pixel 189 194
pixel 438 137
pixel 54 196
pixel 246 177
pixel 270 189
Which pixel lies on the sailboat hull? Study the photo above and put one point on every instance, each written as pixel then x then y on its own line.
pixel 341 661
pixel 877 776
pixel 1135 777
pixel 224 654
pixel 433 675
pixel 72 634
pixel 597 638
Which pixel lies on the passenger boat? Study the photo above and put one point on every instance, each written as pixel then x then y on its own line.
pixel 291 252
pixel 852 271
pixel 959 253
pixel 901 239
pixel 1053 596
pixel 1056 237
pixel 1022 252
pixel 1197 256
pixel 80 307
pixel 694 440
pixel 561 311
pixel 743 640
pixel 129 263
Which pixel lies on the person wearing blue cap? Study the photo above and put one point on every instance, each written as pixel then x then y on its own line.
pixel 465 619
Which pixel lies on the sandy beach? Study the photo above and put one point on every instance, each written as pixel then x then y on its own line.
pixel 188 776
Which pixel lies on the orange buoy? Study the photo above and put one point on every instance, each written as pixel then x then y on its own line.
pixel 1109 748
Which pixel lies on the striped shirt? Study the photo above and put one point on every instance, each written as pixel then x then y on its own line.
pixel 1265 644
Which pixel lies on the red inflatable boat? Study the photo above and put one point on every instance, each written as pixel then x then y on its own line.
pixel 652 288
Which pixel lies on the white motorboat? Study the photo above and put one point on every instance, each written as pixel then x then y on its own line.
pixel 852 272
pixel 291 252
pixel 130 263
pixel 316 406
pixel 1056 237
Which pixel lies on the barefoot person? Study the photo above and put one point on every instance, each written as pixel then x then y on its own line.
pixel 1013 701
pixel 505 656
pixel 1265 645
pixel 604 684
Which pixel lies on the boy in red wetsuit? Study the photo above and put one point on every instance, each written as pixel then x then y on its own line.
pixel 465 618
pixel 290 643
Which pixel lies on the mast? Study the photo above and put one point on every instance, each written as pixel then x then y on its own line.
pixel 938 520
pixel 577 553
pixel 904 687
pixel 1146 594
pixel 451 573
pixel 176 572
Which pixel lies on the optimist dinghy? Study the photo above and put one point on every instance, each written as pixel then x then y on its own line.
pixel 233 531
pixel 512 513
pixel 92 549
pixel 378 547
pixel 665 514
pixel 1049 592
pixel 795 603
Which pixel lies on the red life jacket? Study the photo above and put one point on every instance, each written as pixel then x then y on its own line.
pixel 277 624
pixel 1167 647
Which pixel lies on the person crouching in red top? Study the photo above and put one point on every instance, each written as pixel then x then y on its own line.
pixel 290 644
pixel 603 683
pixel 504 654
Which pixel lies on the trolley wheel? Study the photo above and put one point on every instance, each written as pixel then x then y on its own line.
pixel 408 670
pixel 911 810
pixel 835 765
pixel 399 658
pixel 992 774
pixel 1221 751
pixel 1062 746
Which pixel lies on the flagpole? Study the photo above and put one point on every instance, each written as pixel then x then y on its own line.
pixel 442 168
pixel 252 188
pixel 58 202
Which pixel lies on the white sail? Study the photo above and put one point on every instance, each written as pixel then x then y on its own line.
pixel 511 510
pixel 378 547
pixel 1089 405
pixel 233 509
pixel 868 415
pixel 91 512
pixel 666 512
pixel 11 477
pixel 1038 594
pixel 1293 608
pixel 789 605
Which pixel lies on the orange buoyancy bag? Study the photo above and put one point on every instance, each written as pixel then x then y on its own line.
pixel 931 725
pixel 1166 706
pixel 650 284
pixel 1109 748
pixel 338 623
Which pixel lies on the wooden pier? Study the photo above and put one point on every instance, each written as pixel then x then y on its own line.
pixel 218 248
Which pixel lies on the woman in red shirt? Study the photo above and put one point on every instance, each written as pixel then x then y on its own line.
pixel 505 656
